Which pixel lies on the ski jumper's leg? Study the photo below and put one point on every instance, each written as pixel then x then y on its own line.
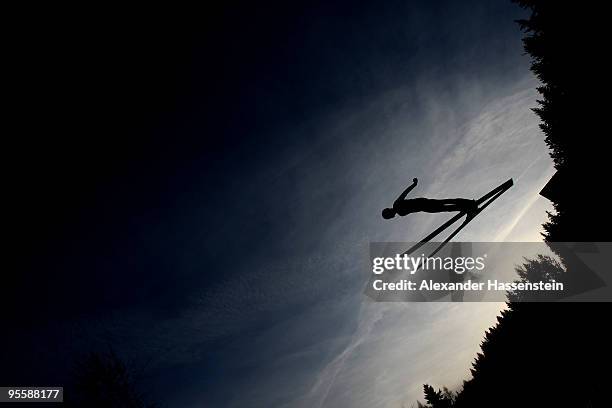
pixel 434 206
pixel 462 202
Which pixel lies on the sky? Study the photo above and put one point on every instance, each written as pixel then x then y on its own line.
pixel 213 182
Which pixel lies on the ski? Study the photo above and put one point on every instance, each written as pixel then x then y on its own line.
pixel 487 199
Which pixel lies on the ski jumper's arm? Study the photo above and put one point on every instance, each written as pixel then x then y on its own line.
pixel 407 190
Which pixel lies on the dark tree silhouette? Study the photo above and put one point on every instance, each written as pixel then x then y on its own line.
pixel 562 40
pixel 103 381
pixel 538 354
pixel 438 399
pixel 543 268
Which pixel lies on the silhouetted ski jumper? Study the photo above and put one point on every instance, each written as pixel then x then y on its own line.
pixel 403 206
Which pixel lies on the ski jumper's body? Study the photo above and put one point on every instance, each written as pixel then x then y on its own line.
pixel 403 206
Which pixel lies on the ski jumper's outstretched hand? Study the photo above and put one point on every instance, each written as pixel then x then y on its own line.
pixel 407 190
